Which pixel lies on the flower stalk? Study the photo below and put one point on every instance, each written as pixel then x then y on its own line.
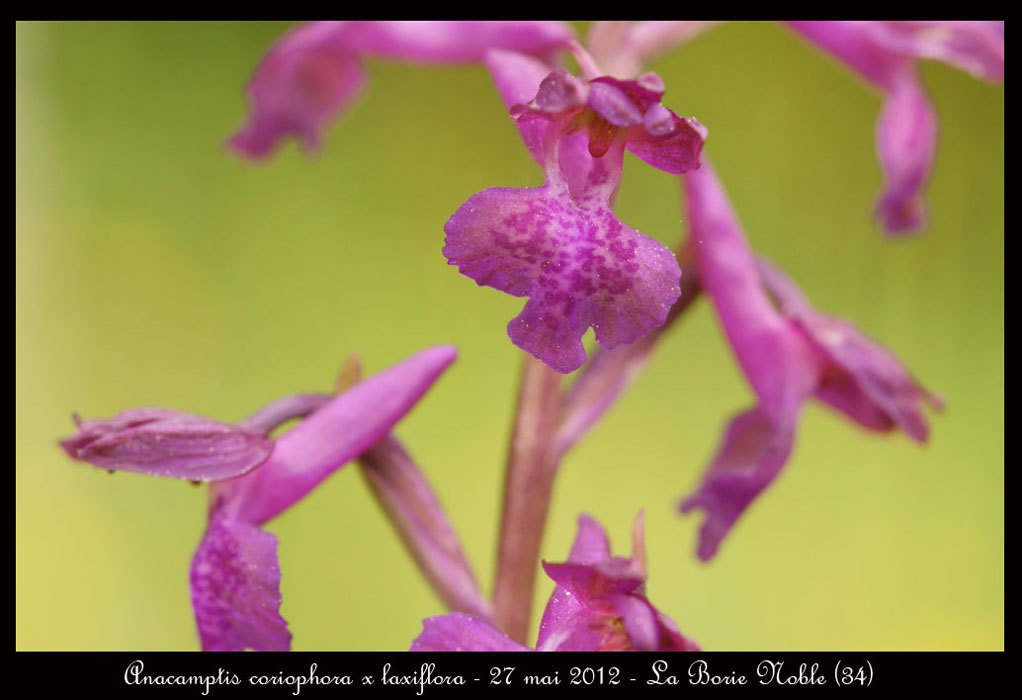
pixel 528 485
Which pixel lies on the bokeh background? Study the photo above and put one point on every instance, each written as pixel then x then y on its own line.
pixel 154 268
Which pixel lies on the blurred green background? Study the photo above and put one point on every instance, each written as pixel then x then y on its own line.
pixel 154 268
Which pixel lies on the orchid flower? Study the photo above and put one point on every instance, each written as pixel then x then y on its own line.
pixel 235 573
pixel 561 244
pixel 314 72
pixel 599 604
pixel 789 353
pixel 884 53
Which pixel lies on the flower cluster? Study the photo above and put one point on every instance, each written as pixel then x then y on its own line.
pixel 562 247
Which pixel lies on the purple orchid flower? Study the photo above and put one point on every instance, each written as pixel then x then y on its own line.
pixel 235 573
pixel 884 53
pixel 599 604
pixel 315 71
pixel 789 352
pixel 561 244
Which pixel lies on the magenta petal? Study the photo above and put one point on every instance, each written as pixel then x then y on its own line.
pixel 160 442
pixel 579 265
pixel 591 544
pixel 753 453
pixel 305 80
pixel 235 581
pixel 871 383
pixel 907 142
pixel 863 379
pixel 676 153
pixel 337 433
pixel 460 632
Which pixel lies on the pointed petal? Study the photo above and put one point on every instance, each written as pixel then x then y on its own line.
pixel 235 581
pixel 460 632
pixel 337 433
pixel 160 442
pixel 754 451
pixel 591 544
